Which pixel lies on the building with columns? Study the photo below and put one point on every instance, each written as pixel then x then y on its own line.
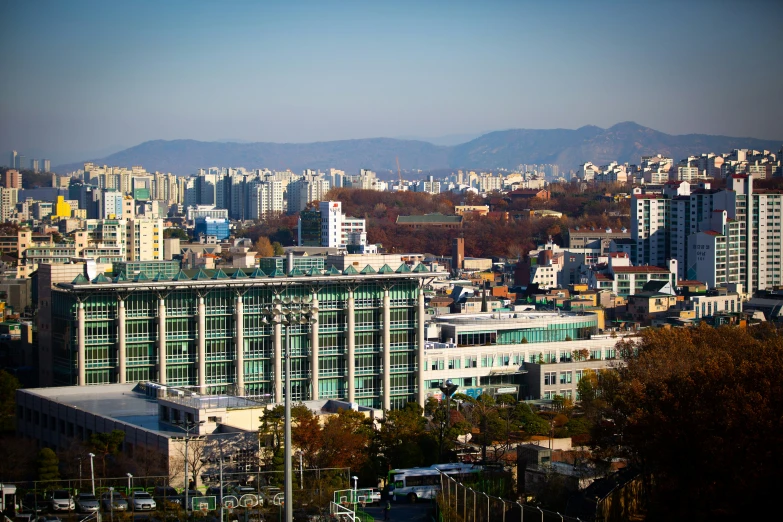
pixel 364 348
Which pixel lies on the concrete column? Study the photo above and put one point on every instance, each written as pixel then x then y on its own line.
pixel 386 350
pixel 239 327
pixel 420 316
pixel 350 349
pixel 162 340
pixel 202 345
pixel 278 361
pixel 81 354
pixel 121 352
pixel 314 350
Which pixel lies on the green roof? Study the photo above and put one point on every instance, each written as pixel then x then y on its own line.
pixel 350 270
pixel 313 272
pixel 238 274
pixel 386 269
pixel 421 268
pixel 403 269
pixel 80 280
pixel 160 277
pixel 295 272
pixel 141 276
pixel 276 273
pixel 219 274
pixel 181 276
pixel 120 278
pixel 257 273
pixel 101 279
pixel 430 219
pixel 333 271
pixel 368 270
pixel 200 275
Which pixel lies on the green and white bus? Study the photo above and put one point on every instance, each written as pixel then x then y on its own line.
pixel 424 483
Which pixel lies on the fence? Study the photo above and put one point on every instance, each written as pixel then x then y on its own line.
pixel 460 503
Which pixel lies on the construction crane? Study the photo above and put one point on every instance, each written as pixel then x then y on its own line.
pixel 399 174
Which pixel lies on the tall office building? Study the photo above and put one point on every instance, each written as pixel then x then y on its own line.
pixel 12 160
pixel 365 347
pixel 336 226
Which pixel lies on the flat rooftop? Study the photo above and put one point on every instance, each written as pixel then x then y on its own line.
pixel 115 401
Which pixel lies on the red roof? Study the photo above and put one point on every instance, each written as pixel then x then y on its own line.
pixel 712 233
pixel 689 283
pixel 640 270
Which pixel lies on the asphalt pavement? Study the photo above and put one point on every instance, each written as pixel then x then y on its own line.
pixel 403 511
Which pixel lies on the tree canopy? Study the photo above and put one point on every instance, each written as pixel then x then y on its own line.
pixel 701 411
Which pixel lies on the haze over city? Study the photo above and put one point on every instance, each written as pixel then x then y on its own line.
pixel 84 79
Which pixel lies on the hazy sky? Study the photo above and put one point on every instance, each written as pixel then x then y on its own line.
pixel 85 77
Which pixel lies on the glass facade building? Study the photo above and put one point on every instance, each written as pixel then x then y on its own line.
pixel 205 329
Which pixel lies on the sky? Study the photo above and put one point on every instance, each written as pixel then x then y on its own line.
pixel 82 79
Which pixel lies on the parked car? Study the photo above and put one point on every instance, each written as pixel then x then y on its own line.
pixel 61 500
pixel 33 503
pixel 267 494
pixel 167 494
pixel 238 490
pixel 374 496
pixel 49 518
pixel 142 501
pixel 113 501
pixel 86 503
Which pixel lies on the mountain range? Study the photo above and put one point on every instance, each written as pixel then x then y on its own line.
pixel 624 142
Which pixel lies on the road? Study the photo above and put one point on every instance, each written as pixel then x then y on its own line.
pixel 403 511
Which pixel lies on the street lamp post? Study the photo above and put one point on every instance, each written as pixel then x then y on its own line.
pixel 92 471
pixel 187 427
pixel 111 503
pixel 447 388
pixel 288 312
pixel 130 483
pixel 355 493
pixel 301 469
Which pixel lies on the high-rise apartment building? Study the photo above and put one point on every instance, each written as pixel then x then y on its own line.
pixel 13 179
pixel 144 240
pixel 46 164
pixel 724 236
pixel 312 187
pixel 12 160
pixel 34 165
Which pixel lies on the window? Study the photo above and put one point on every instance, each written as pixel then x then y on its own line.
pixel 550 378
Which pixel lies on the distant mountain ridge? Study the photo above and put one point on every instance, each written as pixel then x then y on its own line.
pixel 624 142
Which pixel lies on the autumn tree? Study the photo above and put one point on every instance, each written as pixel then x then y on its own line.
pixel 264 247
pixel 701 411
pixel 306 433
pixel 346 439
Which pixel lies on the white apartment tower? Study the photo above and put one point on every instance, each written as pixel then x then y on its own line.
pixel 336 228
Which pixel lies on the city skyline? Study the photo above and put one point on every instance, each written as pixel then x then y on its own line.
pixel 314 72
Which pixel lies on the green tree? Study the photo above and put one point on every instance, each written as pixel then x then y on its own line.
pixel 48 465
pixel 400 435
pixel 175 232
pixel 271 426
pixel 8 386
pixel 106 444
pixel 701 411
pixel 278 248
